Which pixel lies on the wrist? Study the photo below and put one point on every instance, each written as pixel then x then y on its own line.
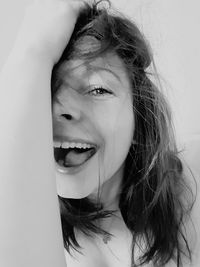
pixel 32 53
pixel 26 66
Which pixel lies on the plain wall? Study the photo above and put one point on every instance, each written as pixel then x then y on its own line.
pixel 171 26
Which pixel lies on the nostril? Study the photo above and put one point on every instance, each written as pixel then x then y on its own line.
pixel 67 116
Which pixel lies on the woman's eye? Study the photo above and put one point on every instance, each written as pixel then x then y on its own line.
pixel 99 91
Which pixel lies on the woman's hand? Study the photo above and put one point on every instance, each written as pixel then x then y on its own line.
pixel 47 27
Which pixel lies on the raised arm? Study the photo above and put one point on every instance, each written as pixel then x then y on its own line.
pixel 30 229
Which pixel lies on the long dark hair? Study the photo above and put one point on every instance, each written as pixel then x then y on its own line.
pixel 152 197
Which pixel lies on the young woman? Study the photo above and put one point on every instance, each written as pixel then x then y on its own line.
pixel 101 139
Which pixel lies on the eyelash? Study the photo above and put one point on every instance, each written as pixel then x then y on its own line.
pixel 100 89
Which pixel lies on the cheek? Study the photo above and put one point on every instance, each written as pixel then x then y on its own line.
pixel 122 136
pixel 117 128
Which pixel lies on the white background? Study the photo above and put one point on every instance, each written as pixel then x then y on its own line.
pixel 172 28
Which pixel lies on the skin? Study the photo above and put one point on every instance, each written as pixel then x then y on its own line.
pixel 102 117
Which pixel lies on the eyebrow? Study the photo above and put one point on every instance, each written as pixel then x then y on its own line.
pixel 97 68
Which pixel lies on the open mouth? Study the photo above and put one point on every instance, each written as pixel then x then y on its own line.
pixel 73 156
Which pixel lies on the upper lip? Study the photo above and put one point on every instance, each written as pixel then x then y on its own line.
pixel 62 139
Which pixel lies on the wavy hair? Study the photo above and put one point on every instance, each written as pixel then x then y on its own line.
pixel 153 187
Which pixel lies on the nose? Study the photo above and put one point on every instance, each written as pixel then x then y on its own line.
pixel 67 106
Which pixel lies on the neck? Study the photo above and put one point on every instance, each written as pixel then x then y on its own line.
pixel 109 192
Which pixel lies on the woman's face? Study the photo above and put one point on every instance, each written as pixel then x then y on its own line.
pixel 93 120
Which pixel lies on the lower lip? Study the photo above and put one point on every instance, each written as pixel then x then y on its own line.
pixel 72 170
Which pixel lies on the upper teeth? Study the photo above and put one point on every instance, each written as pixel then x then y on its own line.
pixel 72 145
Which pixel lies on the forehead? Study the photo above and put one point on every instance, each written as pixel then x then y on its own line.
pixel 108 66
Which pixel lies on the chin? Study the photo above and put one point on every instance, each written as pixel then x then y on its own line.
pixel 73 195
pixel 76 186
pixel 80 182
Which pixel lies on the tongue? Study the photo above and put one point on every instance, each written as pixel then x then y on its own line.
pixel 74 158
